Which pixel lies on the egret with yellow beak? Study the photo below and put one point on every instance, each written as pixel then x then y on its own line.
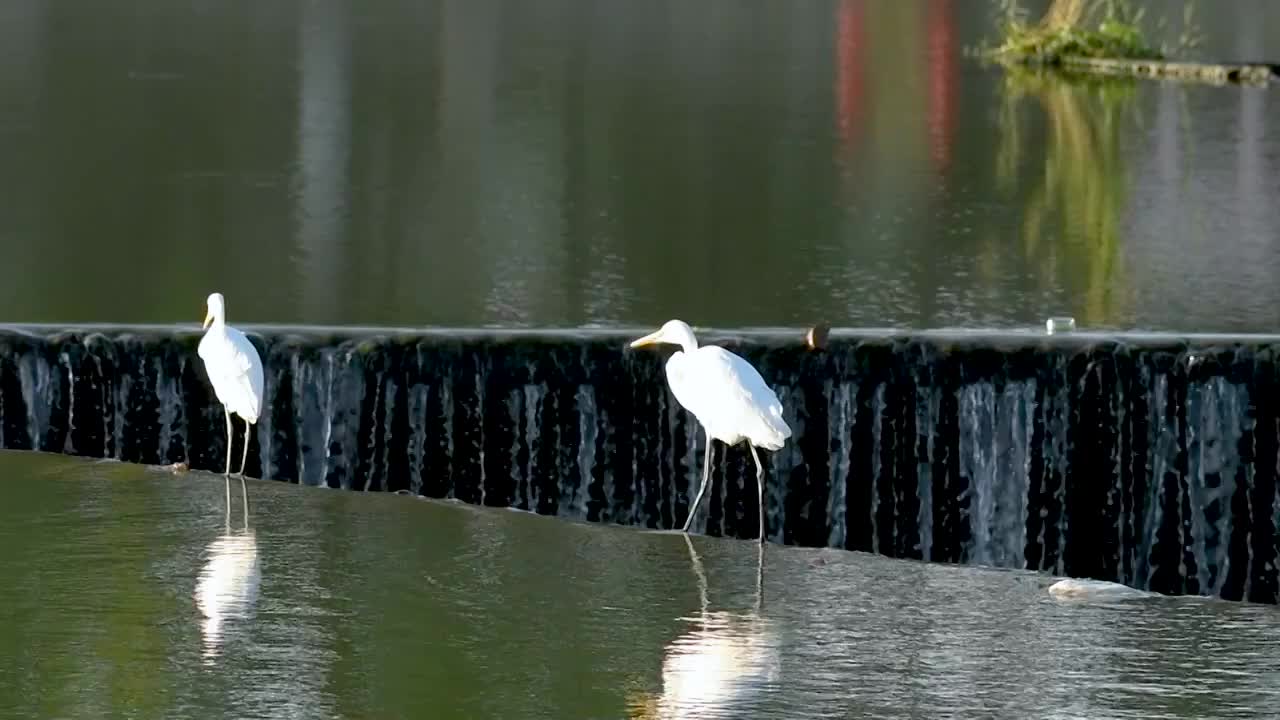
pixel 234 369
pixel 726 395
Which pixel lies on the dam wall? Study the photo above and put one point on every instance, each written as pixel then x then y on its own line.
pixel 1149 460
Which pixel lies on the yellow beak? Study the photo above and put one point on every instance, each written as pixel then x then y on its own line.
pixel 649 339
pixel 207 319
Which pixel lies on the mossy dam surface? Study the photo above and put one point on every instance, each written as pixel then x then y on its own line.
pixel 1145 459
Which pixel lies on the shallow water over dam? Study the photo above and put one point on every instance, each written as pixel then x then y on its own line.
pixel 1148 460
pixel 133 591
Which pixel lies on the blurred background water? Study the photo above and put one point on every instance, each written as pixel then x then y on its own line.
pixel 569 162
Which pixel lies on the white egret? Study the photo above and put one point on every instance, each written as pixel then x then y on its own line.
pixel 234 369
pixel 726 395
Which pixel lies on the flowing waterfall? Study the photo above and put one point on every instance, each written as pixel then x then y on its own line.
pixel 1146 460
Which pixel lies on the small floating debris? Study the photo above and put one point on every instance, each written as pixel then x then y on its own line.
pixel 1073 589
pixel 1059 324
pixel 175 468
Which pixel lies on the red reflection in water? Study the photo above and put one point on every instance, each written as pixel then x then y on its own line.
pixel 941 82
pixel 849 71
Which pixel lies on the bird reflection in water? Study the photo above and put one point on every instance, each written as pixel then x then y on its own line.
pixel 724 662
pixel 228 584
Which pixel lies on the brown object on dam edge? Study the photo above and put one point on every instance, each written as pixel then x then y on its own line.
pixel 816 336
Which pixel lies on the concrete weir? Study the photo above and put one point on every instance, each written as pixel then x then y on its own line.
pixel 1149 460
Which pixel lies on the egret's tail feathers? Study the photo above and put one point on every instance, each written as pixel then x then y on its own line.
pixel 247 412
pixel 774 433
pixel 772 444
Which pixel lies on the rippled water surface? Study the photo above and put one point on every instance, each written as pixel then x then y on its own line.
pixel 131 591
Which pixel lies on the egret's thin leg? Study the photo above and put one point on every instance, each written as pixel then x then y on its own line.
pixel 244 457
pixel 244 495
pixel 227 412
pixel 227 481
pixel 759 486
pixel 706 479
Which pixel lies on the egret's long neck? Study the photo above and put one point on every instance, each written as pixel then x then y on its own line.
pixel 687 342
pixel 219 322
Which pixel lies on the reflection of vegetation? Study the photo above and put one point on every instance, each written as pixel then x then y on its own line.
pixel 1082 29
pixel 1082 187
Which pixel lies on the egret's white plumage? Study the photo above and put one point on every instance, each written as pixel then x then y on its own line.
pixel 726 395
pixel 234 369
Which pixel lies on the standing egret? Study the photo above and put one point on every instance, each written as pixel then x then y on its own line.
pixel 235 369
pixel 726 395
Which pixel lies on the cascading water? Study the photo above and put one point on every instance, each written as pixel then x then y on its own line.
pixel 1144 460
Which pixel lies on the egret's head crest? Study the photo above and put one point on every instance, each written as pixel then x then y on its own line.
pixel 215 309
pixel 674 332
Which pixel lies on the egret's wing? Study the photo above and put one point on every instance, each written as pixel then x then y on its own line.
pixel 249 365
pixel 247 358
pixel 244 355
pixel 236 371
pixel 724 391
